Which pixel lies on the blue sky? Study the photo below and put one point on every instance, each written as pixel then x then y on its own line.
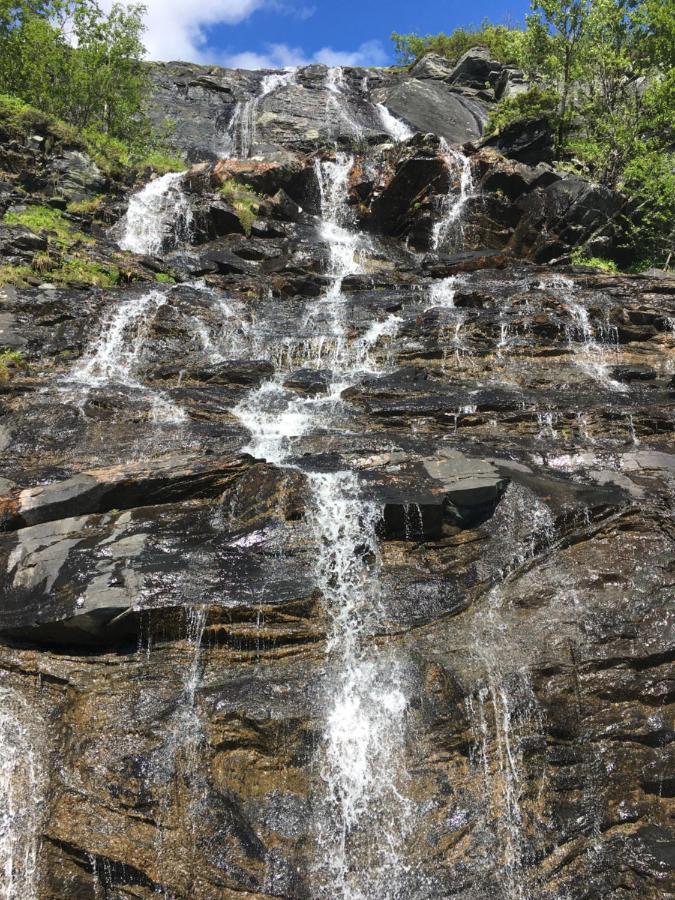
pixel 261 33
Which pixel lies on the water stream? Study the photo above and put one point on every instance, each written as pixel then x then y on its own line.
pixel 448 228
pixel 363 814
pixel 242 128
pixel 20 798
pixel 159 217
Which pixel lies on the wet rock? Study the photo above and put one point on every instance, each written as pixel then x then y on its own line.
pixel 410 185
pixel 86 579
pixel 311 382
pixel 281 206
pixel 225 262
pixel 636 372
pixel 240 372
pixel 224 218
pixel 421 498
pixel 169 479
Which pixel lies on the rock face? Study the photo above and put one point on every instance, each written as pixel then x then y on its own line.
pixel 340 563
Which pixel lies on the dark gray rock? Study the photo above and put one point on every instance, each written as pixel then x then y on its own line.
pixel 477 70
pixel 430 106
pixel 18 243
pixel 529 141
pixel 75 176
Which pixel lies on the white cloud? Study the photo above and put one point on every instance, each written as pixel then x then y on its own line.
pixel 279 56
pixel 178 30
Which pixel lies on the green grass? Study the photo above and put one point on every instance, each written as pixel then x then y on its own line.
pixel 23 120
pixel 10 360
pixel 113 157
pixel 15 275
pixel 85 271
pixel 162 163
pixel 244 200
pixel 86 207
pixel 163 278
pixel 72 270
pixel 61 232
pixel 594 262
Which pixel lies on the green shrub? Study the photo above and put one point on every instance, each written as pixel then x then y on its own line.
pixel 244 200
pixel 76 62
pixel 504 43
pixel 650 181
pixel 579 258
pixel 534 103
pixel 10 360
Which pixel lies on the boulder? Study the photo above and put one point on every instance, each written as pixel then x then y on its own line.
pixel 433 66
pixel 423 498
pixel 431 106
pixel 562 216
pixel 19 243
pixel 510 83
pixel 75 176
pixel 282 207
pixel 476 69
pixel 529 141
pixel 412 184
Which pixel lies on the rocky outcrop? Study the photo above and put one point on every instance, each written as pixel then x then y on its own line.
pixel 529 141
pixel 170 580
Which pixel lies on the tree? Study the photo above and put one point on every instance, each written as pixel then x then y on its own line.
pixel 504 43
pixel 565 21
pixel 69 59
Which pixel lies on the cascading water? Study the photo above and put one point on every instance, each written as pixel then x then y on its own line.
pixel 241 130
pixel 461 189
pixel 364 738
pixel 337 104
pixel 395 128
pixel 592 355
pixel 333 696
pixel 116 356
pixel 366 818
pixel 20 800
pixel 159 217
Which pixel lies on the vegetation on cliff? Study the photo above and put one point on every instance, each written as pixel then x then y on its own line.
pixel 603 73
pixel 70 70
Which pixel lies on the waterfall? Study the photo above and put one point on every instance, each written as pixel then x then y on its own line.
pixel 20 799
pixel 363 746
pixel 337 105
pixel 159 217
pixel 177 759
pixel 454 202
pixel 367 816
pixel 590 354
pixel 116 355
pixel 241 130
pixel 395 128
